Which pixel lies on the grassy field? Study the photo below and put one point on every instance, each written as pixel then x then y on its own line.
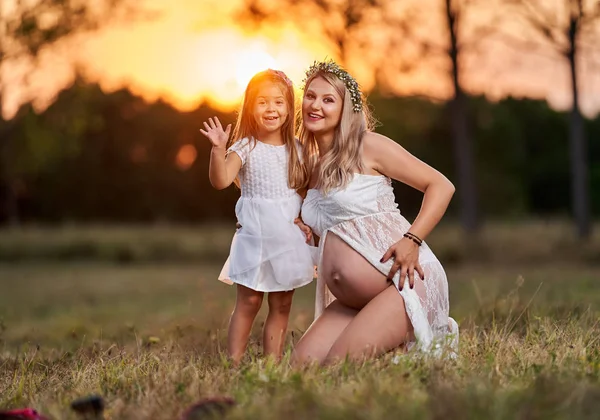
pixel 149 337
pixel 519 242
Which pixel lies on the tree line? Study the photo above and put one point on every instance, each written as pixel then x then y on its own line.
pixel 112 157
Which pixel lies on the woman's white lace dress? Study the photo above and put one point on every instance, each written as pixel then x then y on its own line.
pixel 365 216
pixel 269 252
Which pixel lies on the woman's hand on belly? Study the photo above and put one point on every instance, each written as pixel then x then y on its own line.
pixel 405 253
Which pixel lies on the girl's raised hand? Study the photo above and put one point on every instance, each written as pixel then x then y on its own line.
pixel 215 133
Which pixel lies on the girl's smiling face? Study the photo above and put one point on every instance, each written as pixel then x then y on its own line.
pixel 270 109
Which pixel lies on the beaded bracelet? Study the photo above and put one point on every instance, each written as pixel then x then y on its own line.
pixel 413 238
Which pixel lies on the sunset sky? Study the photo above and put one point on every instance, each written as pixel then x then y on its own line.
pixel 196 51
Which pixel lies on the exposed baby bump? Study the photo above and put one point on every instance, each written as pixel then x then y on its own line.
pixel 350 277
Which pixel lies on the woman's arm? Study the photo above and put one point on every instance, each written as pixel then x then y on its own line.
pixel 389 158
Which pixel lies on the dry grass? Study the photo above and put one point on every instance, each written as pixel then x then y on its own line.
pixel 519 242
pixel 148 337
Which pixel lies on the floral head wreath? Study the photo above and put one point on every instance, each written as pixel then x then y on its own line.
pixel 332 67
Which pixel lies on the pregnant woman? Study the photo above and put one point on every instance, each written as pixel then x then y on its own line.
pixel 379 285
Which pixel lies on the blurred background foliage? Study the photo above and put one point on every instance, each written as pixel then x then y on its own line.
pixel 112 157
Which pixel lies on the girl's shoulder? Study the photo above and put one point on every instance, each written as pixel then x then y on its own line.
pixel 242 147
pixel 241 143
pixel 246 145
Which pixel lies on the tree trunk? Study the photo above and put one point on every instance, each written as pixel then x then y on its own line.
pixel 10 207
pixel 463 150
pixel 578 147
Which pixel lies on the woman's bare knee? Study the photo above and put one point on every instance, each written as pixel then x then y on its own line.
pixel 303 359
pixel 305 355
pixel 316 342
pixel 382 325
pixel 339 352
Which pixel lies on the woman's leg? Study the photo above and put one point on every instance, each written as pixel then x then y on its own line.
pixel 247 305
pixel 280 304
pixel 314 345
pixel 380 326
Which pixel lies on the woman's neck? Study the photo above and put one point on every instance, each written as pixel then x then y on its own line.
pixel 325 142
pixel 274 137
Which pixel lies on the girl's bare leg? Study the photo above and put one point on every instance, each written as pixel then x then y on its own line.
pixel 247 305
pixel 280 304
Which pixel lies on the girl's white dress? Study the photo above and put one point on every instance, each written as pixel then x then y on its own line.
pixel 366 217
pixel 269 252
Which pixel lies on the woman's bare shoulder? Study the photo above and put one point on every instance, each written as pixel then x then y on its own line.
pixel 375 146
pixel 375 140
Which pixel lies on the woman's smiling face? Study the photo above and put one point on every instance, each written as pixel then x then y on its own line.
pixel 321 107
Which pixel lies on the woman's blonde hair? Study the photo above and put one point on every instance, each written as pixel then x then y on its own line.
pixel 246 126
pixel 338 165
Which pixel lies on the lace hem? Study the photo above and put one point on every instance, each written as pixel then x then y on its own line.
pixel 371 236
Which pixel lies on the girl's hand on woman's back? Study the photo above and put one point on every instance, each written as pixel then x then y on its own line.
pixel 305 229
pixel 215 133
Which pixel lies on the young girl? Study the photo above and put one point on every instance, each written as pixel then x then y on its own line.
pixel 269 252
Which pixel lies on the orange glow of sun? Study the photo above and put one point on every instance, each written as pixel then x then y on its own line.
pixel 251 62
pixel 198 52
pixel 212 66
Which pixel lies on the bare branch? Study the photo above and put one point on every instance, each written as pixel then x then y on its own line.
pixel 545 26
pixel 538 13
pixel 32 26
pixel 521 44
pixel 478 35
pixel 591 16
